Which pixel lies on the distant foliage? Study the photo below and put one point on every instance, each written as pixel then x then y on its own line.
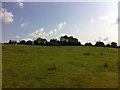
pixel 12 42
pixel 64 41
pixel 69 41
pixel 100 44
pixel 114 44
pixel 22 42
pixel 108 45
pixel 40 41
pixel 88 44
pixel 55 42
pixel 29 42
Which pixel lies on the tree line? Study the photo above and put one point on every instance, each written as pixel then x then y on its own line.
pixel 64 41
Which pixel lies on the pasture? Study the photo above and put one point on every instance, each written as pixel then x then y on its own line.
pixel 27 66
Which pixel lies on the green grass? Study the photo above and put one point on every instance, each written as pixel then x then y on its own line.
pixel 59 67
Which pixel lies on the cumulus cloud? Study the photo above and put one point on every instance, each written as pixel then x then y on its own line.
pixel 26 39
pixel 110 18
pixel 107 16
pixel 106 39
pixel 104 17
pixel 55 30
pixel 24 24
pixel 38 33
pixel 6 16
pixel 103 39
pixel 51 34
pixel 77 31
pixel 92 20
pixel 20 3
pixel 17 37
pixel 99 39
pixel 61 25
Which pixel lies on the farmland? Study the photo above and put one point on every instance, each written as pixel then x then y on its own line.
pixel 59 67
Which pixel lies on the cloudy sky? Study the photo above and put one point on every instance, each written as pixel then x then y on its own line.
pixel 87 21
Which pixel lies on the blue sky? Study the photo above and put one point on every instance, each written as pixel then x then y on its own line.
pixel 87 21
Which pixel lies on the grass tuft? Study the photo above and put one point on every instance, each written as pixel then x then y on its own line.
pixel 86 53
pixel 52 67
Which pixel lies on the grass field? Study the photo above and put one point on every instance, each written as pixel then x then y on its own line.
pixel 59 67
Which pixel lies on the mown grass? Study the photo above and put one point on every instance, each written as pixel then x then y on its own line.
pixel 59 67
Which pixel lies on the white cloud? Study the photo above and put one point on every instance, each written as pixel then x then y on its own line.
pixel 106 39
pixel 6 16
pixel 109 18
pixel 20 3
pixel 103 39
pixel 24 24
pixel 38 33
pixel 61 25
pixel 77 31
pixel 104 26
pixel 51 34
pixel 17 37
pixel 63 34
pixel 98 39
pixel 103 17
pixel 26 39
pixel 92 20
pixel 55 30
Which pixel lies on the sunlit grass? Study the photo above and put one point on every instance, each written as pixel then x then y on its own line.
pixel 59 66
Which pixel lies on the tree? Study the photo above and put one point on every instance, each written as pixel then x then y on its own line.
pixel 88 44
pixel 64 38
pixel 54 42
pixel 48 44
pixel 75 41
pixel 23 42
pixel 114 44
pixel 40 41
pixel 12 42
pixel 100 44
pixel 36 42
pixel 108 45
pixel 29 42
pixel 79 44
pixel 68 41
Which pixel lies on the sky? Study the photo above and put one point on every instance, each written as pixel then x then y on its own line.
pixel 87 21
